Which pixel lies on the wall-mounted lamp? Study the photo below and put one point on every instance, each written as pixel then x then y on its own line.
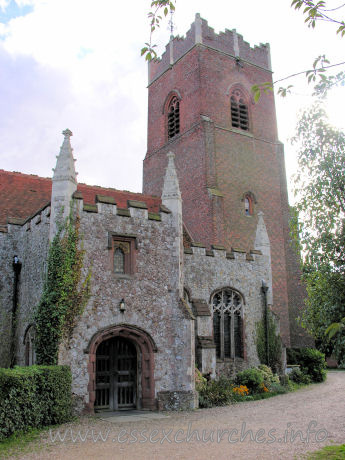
pixel 17 265
pixel 264 286
pixel 122 305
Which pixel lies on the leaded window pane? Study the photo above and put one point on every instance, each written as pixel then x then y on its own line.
pixel 216 332
pixel 119 261
pixel 227 335
pixel 227 308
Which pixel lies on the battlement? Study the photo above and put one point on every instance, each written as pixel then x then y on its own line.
pixel 200 33
pixel 221 252
pixel 107 205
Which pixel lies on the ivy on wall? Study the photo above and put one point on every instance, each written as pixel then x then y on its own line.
pixel 65 292
pixel 274 343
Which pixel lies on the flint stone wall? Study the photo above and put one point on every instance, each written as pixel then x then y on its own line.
pixel 151 297
pixel 205 274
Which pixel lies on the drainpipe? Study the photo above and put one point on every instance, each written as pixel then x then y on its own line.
pixel 17 266
pixel 264 289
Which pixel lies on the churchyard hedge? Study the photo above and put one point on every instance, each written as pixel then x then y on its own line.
pixel 34 396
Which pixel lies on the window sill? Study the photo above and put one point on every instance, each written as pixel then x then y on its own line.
pixel 123 276
pixel 229 360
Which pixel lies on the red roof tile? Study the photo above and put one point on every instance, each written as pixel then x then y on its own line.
pixel 22 195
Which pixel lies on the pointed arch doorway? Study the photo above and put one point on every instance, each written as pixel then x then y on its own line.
pixel 121 369
pixel 116 375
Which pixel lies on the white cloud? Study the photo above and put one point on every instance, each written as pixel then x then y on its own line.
pixel 77 64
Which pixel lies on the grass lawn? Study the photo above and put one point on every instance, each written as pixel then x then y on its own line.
pixel 21 443
pixel 329 453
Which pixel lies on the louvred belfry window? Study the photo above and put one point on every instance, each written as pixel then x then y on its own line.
pixel 173 117
pixel 239 111
pixel 227 307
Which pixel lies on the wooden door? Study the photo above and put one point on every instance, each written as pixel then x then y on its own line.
pixel 116 375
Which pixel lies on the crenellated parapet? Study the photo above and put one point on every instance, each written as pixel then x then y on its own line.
pixel 200 33
pixel 107 205
pixel 217 251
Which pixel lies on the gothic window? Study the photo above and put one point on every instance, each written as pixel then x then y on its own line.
pixel 119 261
pixel 123 255
pixel 239 111
pixel 227 308
pixel 248 205
pixel 29 350
pixel 173 117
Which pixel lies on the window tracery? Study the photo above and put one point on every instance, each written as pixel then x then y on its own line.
pixel 227 309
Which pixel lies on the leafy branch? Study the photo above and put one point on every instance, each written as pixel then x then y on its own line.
pixel 318 71
pixel 318 12
pixel 167 6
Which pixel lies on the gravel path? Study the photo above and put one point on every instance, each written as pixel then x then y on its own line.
pixel 270 424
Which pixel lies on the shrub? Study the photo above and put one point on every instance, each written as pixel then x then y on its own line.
pixel 268 375
pixel 216 393
pixel 313 363
pixel 297 376
pixel 34 396
pixel 251 378
pixel 279 389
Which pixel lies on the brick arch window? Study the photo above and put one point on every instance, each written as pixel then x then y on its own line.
pixel 239 110
pixel 173 117
pixel 248 200
pixel 248 205
pixel 227 311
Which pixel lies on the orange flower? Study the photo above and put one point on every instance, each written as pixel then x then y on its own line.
pixel 242 390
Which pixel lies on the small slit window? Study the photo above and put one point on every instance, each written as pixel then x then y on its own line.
pixel 248 206
pixel 173 117
pixel 239 111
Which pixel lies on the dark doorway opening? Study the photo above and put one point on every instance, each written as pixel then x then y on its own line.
pixel 116 375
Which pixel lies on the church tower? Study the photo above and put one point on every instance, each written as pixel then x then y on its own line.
pixel 229 161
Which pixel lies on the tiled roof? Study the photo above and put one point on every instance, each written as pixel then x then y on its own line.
pixel 22 195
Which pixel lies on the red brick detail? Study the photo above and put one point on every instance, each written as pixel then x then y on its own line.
pixel 22 195
pixel 210 154
pixel 147 348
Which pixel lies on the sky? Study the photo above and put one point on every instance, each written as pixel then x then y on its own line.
pixel 76 64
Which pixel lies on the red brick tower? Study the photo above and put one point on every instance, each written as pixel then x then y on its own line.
pixel 229 161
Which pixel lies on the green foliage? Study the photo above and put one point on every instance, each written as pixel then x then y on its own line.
pixel 216 393
pixel 34 396
pixel 158 6
pixel 335 328
pixel 251 378
pixel 297 376
pixel 313 364
pixel 21 443
pixel 274 343
pixel 311 361
pixel 329 453
pixel 268 376
pixel 320 191
pixel 65 294
pixel 318 11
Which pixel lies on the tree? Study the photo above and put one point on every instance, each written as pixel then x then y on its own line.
pixel 320 192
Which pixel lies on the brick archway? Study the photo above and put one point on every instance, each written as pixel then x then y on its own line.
pixel 147 349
